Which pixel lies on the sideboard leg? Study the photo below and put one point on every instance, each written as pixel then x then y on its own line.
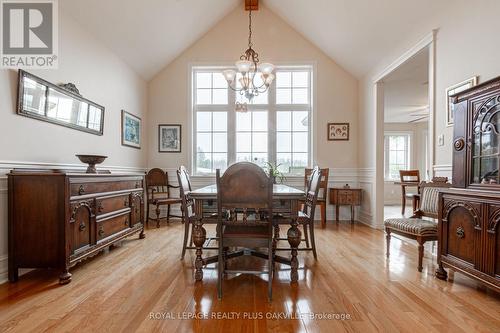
pixel 441 273
pixel 65 276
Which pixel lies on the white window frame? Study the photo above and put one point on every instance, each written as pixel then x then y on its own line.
pixel 271 107
pixel 409 152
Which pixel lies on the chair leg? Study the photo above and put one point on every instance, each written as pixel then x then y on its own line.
pixel 403 200
pixel 270 266
pixel 220 271
pixel 168 214
pixel 387 241
pixel 322 206
pixel 184 243
pixel 158 216
pixel 313 240
pixel 420 253
pixel 306 234
pixel 191 238
pixel 147 214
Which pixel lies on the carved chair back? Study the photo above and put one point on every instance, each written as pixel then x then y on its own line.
pixel 429 198
pixel 244 190
pixel 157 184
pixel 409 176
pixel 312 190
pixel 323 186
pixel 185 190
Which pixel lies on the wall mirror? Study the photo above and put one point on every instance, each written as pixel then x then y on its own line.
pixel 43 100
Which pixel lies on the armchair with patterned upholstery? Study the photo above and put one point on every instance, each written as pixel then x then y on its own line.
pixel 416 227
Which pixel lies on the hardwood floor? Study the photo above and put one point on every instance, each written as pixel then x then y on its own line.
pixel 141 284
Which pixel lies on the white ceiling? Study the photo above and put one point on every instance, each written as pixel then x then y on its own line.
pixel 148 34
pixel 406 90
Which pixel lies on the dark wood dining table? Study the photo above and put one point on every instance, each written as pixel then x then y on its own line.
pixel 285 202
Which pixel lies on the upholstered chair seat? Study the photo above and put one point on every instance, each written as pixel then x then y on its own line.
pixel 416 227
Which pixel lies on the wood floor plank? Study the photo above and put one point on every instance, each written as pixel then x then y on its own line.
pixel 142 286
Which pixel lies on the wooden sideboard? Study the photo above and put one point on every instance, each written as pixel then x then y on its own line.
pixel 345 197
pixel 58 218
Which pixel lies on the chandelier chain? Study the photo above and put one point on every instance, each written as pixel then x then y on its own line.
pixel 250 28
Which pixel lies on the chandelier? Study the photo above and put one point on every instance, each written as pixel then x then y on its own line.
pixel 251 78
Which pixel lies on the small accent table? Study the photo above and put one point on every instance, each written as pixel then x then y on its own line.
pixel 345 197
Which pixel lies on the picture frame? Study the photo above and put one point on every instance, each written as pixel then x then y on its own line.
pixel 131 130
pixel 169 138
pixel 456 88
pixel 338 131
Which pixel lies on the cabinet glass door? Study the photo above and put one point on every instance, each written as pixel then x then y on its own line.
pixel 485 132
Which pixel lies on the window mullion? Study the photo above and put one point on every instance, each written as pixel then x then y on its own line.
pixel 271 125
pixel 231 128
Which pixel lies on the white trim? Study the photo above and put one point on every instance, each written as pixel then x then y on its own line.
pixel 423 43
pixel 71 166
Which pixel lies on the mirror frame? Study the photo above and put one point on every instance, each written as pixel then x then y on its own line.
pixel 20 102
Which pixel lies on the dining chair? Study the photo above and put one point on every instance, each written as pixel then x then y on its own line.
pixel 189 214
pixel 158 194
pixel 244 204
pixel 408 178
pixel 323 190
pixel 306 214
pixel 415 227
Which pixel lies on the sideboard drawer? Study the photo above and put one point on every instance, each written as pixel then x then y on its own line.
pixel 112 203
pixel 111 226
pixel 91 188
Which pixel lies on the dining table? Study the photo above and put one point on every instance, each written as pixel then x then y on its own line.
pixel 286 203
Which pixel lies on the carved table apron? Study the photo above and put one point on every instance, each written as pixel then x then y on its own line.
pixel 286 200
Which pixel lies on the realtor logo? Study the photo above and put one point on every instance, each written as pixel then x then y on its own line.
pixel 29 34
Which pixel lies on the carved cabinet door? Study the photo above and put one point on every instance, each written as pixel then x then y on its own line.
pixel 463 230
pixel 80 225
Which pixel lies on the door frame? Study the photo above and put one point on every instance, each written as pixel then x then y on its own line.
pixel 429 41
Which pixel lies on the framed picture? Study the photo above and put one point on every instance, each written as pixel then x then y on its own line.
pixel 169 138
pixel 131 130
pixel 456 88
pixel 338 131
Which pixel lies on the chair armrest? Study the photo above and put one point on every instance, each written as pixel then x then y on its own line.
pixel 153 190
pixel 417 214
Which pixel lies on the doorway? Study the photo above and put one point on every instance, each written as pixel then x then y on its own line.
pixel 404 101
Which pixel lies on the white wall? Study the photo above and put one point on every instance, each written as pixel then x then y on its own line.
pixel 101 77
pixel 465 46
pixel 392 193
pixel 276 42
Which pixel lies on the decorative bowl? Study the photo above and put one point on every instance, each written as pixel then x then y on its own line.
pixel 91 160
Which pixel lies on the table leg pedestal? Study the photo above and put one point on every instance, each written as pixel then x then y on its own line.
pixel 199 238
pixel 294 236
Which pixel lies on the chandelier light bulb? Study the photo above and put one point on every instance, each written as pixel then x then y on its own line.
pixel 229 75
pixel 266 68
pixel 243 66
pixel 268 79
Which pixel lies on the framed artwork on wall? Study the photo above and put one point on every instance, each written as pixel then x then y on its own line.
pixel 456 88
pixel 169 138
pixel 131 130
pixel 338 132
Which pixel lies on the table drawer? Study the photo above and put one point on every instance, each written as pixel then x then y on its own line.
pixel 112 203
pixel 111 226
pixel 345 198
pixel 77 189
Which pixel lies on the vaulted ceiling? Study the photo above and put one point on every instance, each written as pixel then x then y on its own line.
pixel 149 34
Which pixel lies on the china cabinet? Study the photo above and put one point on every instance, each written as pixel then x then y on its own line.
pixel 469 213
